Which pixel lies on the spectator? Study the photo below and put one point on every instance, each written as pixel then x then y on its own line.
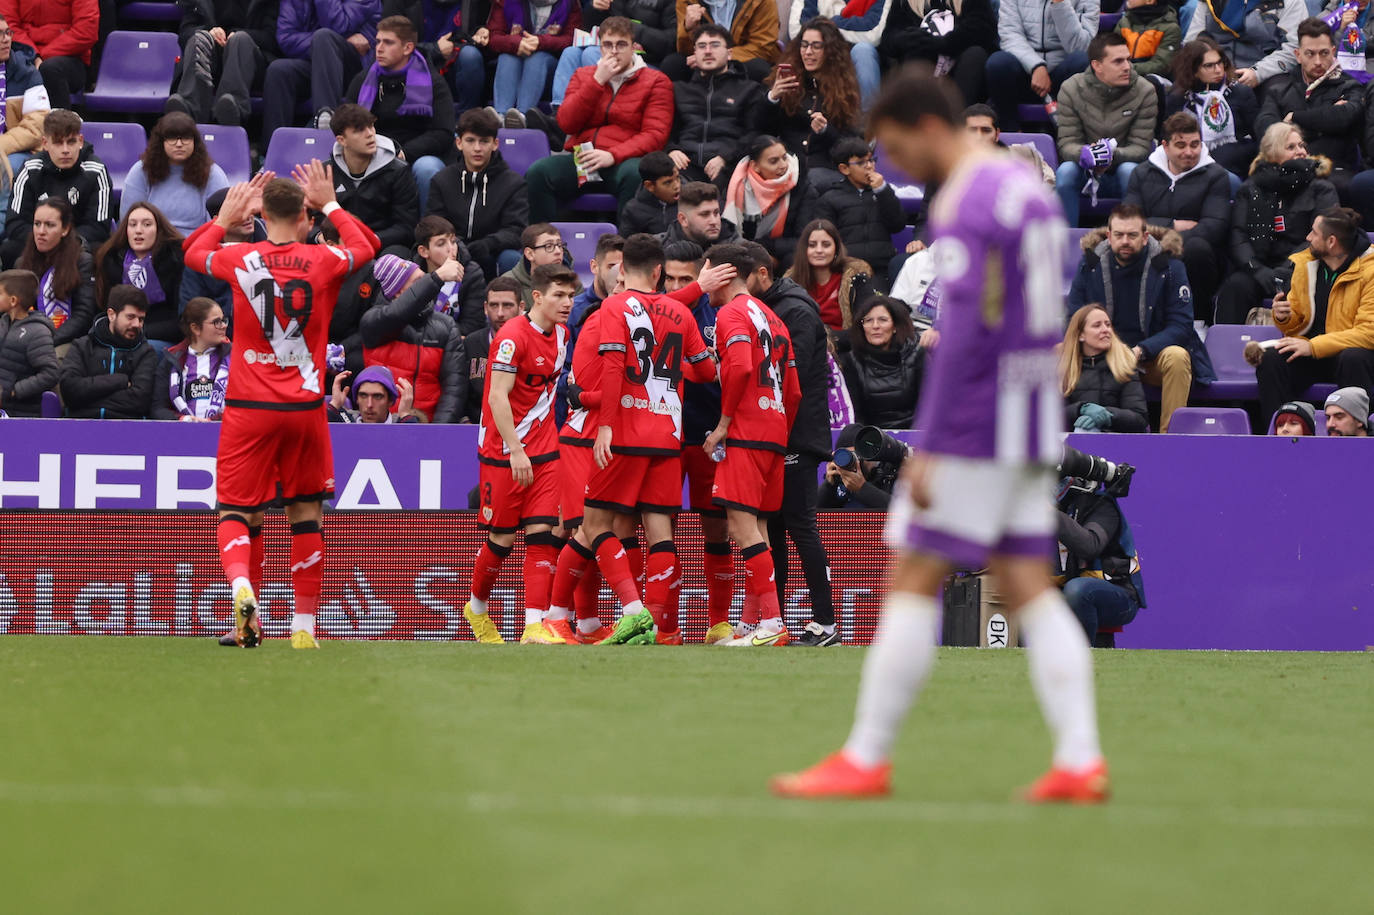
pixel 63 33
pixel 484 198
pixel 1152 35
pixel 323 45
pixel 225 48
pixel 1106 125
pixel 980 122
pixel 857 485
pixel 69 169
pixel 373 395
pixel 655 27
pixel 765 199
pixel 1271 219
pixel 714 109
pixel 954 37
pixel 66 273
pixel 411 102
pixel 1097 373
pixel 1295 418
pixel 1179 187
pixel 1260 36
pixel 23 105
pixel 175 174
pixel 884 365
pixel 753 26
pixel 1096 558
pixel 445 31
pixel 813 100
pixel 527 37
pixel 862 25
pixel 192 377
pixel 605 267
pixel 461 299
pixel 863 206
pixel 654 207
pixel 108 374
pixel 145 252
pixel 418 343
pixel 1347 413
pixel 28 364
pixel 698 217
pixel 502 303
pixel 1327 317
pixel 540 243
pixel 1205 85
pixel 1043 44
pixel 195 284
pixel 1134 271
pixel 371 180
pixel 613 113
pixel 834 280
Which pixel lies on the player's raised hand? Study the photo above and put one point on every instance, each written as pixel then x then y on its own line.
pixel 716 276
pixel 257 183
pixel 237 205
pixel 601 449
pixel 313 178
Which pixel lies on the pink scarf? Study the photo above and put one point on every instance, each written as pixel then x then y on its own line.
pixel 771 196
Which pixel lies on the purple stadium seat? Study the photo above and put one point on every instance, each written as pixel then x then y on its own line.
pixel 581 239
pixel 1034 112
pixel 135 72
pixel 908 191
pixel 1209 421
pixel 118 145
pixel 1226 347
pixel 593 203
pixel 1106 22
pixel 1073 255
pixel 229 148
pixel 1041 141
pixel 149 12
pixel 292 146
pixel 1319 392
pixel 522 147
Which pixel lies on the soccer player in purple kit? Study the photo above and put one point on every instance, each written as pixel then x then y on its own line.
pixel 979 486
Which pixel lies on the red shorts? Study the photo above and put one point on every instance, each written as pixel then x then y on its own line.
pixel 750 480
pixel 637 483
pixel 260 450
pixel 575 468
pixel 506 508
pixel 700 472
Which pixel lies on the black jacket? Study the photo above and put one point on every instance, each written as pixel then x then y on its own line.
pixel 866 219
pixel 411 323
pixel 885 384
pixel 975 25
pixel 1097 384
pixel 108 378
pixel 384 198
pixel 646 213
pixel 811 428
pixel 655 24
pixel 83 303
pixel 1330 129
pixel 28 363
pixel 713 115
pixel 811 149
pixel 164 318
pixel 1297 191
pixel 729 232
pixel 476 346
pixel 256 17
pixel 801 209
pixel 415 135
pixel 1203 195
pixel 86 186
pixel 489 209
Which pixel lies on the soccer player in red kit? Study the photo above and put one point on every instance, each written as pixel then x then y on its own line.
pixel 518 454
pixel 759 393
pixel 274 433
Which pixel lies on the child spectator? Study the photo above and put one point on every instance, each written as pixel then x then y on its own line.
pixel 28 363
pixel 654 207
pixel 1098 376
pixel 371 180
pixel 192 377
pixel 69 169
pixel 864 207
pixel 461 298
pixel 175 174
pixel 765 199
pixel 66 273
pixel 145 252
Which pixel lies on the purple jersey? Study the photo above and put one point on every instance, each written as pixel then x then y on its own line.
pixel 992 389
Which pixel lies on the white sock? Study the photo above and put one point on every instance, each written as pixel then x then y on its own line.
pixel 895 669
pixel 303 621
pixel 744 628
pixel 533 616
pixel 240 582
pixel 558 613
pixel 632 608
pixel 477 605
pixel 587 627
pixel 828 630
pixel 772 624
pixel 1061 671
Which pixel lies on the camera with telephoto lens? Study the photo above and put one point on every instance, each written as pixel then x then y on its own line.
pixel 1090 467
pixel 873 444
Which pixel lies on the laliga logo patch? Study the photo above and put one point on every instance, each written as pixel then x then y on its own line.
pixel 627 401
pixel 506 351
pixel 250 357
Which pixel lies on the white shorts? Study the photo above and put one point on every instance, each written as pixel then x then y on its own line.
pixel 978 507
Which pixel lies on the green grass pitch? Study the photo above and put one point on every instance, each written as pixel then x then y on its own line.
pixel 169 775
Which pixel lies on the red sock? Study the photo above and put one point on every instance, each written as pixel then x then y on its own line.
pixel 720 582
pixel 486 567
pixel 235 546
pixel 659 593
pixel 307 565
pixel 541 558
pixel 635 553
pixel 749 616
pixel 573 560
pixel 588 596
pixel 257 558
pixel 615 568
pixel 758 560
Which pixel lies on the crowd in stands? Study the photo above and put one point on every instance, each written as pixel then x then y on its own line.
pixel 1210 157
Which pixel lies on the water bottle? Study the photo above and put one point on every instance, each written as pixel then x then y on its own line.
pixel 718 454
pixel 1051 108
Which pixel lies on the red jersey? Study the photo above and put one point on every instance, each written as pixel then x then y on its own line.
pixel 284 297
pixel 580 427
pixel 650 342
pixel 535 358
pixel 758 377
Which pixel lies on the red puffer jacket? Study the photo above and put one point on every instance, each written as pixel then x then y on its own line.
pixel 57 28
pixel 632 122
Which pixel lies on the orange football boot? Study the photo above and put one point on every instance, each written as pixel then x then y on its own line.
pixel 836 776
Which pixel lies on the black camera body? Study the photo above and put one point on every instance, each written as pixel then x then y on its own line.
pixel 1117 477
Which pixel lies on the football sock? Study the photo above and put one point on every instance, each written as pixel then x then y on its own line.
pixel 541 557
pixel 615 568
pixel 659 594
pixel 303 621
pixel 573 560
pixel 895 668
pixel 758 564
pixel 485 568
pixel 635 554
pixel 235 547
pixel 257 558
pixel 749 616
pixel 720 582
pixel 1061 670
pixel 307 566
pixel 589 625
pixel 588 596
pixel 828 630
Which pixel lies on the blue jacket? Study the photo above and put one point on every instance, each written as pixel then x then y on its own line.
pixel 1168 304
pixel 298 20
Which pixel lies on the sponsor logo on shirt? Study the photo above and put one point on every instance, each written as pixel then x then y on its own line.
pixel 286 361
pixel 768 403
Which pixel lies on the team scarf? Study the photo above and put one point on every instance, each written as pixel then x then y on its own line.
pixel 200 385
pixel 419 97
pixel 139 273
pixel 4 95
pixel 447 301
pixel 1214 115
pixel 837 394
pixel 751 195
pixel 1232 15
pixel 517 18
pixel 59 310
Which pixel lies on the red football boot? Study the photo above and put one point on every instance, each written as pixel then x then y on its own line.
pixel 1063 786
pixel 836 776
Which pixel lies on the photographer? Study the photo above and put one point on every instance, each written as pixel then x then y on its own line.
pixel 857 484
pixel 1097 563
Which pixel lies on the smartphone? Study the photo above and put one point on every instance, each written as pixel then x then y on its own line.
pixel 784 71
pixel 1281 285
